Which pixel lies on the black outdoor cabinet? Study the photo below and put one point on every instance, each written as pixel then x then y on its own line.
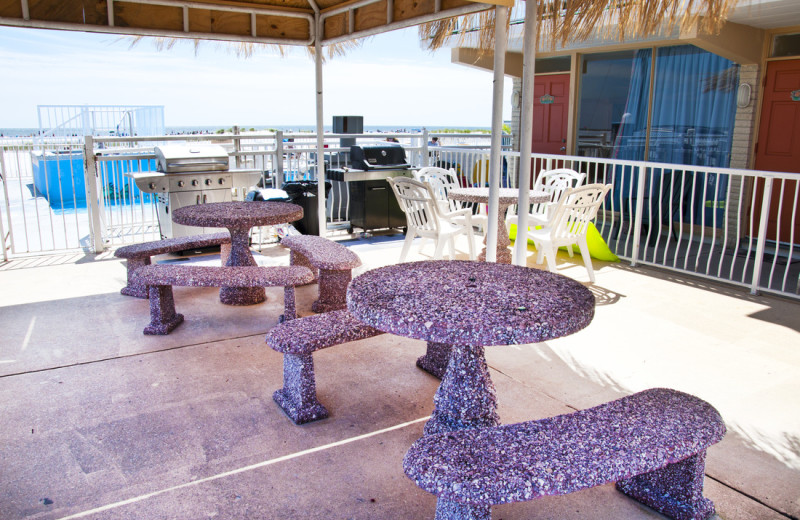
pixel 374 206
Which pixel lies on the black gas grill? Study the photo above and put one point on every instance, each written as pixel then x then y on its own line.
pixel 372 201
pixel 378 157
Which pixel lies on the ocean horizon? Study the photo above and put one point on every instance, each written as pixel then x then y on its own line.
pixel 212 129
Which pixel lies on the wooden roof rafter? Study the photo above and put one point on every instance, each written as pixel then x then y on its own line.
pixel 276 22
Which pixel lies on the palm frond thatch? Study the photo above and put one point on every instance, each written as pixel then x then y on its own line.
pixel 243 49
pixel 563 21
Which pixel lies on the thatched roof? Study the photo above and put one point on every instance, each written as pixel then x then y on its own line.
pixel 561 21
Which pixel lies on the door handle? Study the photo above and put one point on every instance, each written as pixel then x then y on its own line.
pixel 205 199
pixel 198 200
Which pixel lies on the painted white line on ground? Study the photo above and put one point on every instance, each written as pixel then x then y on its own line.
pixel 243 469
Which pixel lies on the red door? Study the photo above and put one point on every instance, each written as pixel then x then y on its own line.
pixel 550 109
pixel 778 147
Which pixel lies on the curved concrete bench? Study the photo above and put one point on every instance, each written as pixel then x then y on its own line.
pixel 161 277
pixel 332 261
pixel 297 340
pixel 652 444
pixel 139 255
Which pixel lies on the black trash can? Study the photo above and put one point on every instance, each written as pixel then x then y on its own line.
pixel 304 194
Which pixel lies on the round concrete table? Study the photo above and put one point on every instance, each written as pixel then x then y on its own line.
pixel 239 218
pixel 459 307
pixel 508 197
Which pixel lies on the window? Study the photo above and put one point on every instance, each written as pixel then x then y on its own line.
pixel 784 45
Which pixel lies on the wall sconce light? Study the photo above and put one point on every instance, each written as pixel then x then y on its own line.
pixel 743 95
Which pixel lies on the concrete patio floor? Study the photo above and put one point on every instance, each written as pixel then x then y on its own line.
pixel 100 421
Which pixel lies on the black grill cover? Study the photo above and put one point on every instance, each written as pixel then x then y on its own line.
pixel 378 156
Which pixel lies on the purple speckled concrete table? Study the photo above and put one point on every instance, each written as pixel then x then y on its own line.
pixel 508 197
pixel 461 307
pixel 239 218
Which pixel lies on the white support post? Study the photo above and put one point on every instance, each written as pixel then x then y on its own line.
pixel 762 234
pixel 278 163
pixel 323 226
pixel 638 216
pixel 92 194
pixel 496 158
pixel 526 132
pixel 426 157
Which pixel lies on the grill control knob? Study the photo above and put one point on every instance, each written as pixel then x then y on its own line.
pixel 195 182
pixel 152 185
pixel 221 180
pixel 180 184
pixel 208 182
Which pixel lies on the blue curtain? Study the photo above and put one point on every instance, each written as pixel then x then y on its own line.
pixel 630 140
pixel 694 106
pixel 629 143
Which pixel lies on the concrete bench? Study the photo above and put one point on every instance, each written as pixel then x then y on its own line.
pixel 297 340
pixel 139 255
pixel 332 264
pixel 652 444
pixel 161 277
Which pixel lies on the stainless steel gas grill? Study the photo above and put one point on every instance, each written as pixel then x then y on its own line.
pixel 188 175
pixel 372 202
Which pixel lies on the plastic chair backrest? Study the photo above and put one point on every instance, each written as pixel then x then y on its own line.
pixel 578 207
pixel 417 200
pixel 441 181
pixel 555 183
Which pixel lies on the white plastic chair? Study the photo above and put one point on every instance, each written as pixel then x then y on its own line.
pixel 569 225
pixel 442 181
pixel 554 183
pixel 426 219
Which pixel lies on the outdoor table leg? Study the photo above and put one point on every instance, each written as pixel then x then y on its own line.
pixel 240 256
pixel 466 397
pixel 435 359
pixel 503 241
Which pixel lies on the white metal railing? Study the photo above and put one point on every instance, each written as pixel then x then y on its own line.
pixel 738 226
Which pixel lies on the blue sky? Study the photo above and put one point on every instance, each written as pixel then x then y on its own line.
pixel 390 80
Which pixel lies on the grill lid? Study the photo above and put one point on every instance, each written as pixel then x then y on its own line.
pixel 179 158
pixel 378 157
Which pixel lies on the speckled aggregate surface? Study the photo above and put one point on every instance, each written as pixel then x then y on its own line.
pixel 239 217
pixel 435 360
pixel 312 333
pixel 507 198
pixel 334 263
pixel 297 340
pixel 468 305
pixel 163 318
pixel 163 276
pixel 323 253
pixel 660 434
pixel 139 255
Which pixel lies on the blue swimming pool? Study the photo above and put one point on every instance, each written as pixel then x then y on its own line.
pixel 59 177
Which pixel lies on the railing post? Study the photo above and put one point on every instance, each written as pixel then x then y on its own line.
pixel 426 158
pixel 92 196
pixel 237 146
pixel 639 214
pixel 762 235
pixel 3 177
pixel 278 159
